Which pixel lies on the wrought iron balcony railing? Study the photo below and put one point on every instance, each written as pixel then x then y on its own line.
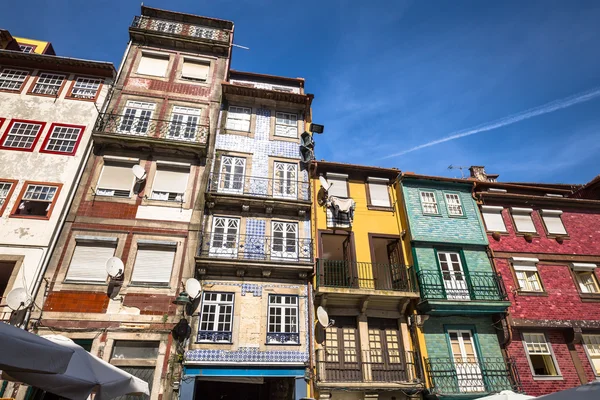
pixel 223 245
pixel 346 365
pixel 283 338
pixel 471 375
pixel 364 275
pixel 129 125
pixel 179 28
pixel 213 337
pixel 457 285
pixel 275 188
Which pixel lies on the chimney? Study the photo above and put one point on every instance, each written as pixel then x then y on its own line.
pixel 478 172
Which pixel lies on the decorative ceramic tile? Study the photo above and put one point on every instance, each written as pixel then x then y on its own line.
pixel 247 354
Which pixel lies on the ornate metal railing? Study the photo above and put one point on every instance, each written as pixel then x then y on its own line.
pixel 276 188
pixel 438 285
pixel 128 125
pixel 345 365
pixel 214 337
pixel 470 375
pixel 283 338
pixel 364 275
pixel 222 245
pixel 178 28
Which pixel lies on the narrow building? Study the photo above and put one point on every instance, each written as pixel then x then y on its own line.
pixel 363 281
pixel 250 334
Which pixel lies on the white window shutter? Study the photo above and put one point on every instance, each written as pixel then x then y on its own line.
pixel 493 218
pixel 338 185
pixel 523 220
pixel 153 265
pixel 554 224
pixel 170 181
pixel 379 193
pixel 88 262
pixel 195 69
pixel 155 65
pixel 116 177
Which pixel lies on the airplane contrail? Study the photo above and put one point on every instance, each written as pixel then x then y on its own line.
pixel 511 119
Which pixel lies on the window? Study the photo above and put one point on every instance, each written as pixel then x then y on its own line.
pixel 283 320
pixel 12 79
pixel 124 356
pixel 238 119
pixel 378 192
pixel 26 48
pixel 286 125
pixel 184 123
pixel 153 64
pixel 540 355
pixel 285 240
pixel 285 182
pixel 465 360
pixel 89 258
pixel 6 189
pixel 231 178
pixel 453 204
pixel 592 349
pixel 116 179
pixel 63 139
pixel 553 222
pixel 455 283
pixel 195 70
pixel 170 183
pixel 37 200
pixel 338 185
pixel 48 84
pixel 527 275
pixel 22 135
pixel 86 88
pixel 224 237
pixel 429 203
pixel 136 117
pixel 216 320
pixel 523 220
pixel 586 277
pixel 492 216
pixel 154 262
pixel 124 349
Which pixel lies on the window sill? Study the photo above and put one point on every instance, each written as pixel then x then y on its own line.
pixel 379 208
pixel 80 283
pixel 52 96
pixel 69 97
pixel 211 342
pixel 501 233
pixel 30 150
pixel 283 344
pixel 12 91
pixel 548 378
pixel 458 216
pixel 29 217
pixel 431 215
pixel 236 132
pixel 149 285
pixel 590 297
pixel 528 293
pixel 523 234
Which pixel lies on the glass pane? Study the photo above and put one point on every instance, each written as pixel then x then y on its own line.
pixel 133 349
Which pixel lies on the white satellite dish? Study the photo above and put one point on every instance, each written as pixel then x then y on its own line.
pixel 323 317
pixel 192 287
pixel 18 299
pixel 114 267
pixel 326 185
pixel 139 172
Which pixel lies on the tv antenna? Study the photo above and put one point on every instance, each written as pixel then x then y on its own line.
pixel 462 174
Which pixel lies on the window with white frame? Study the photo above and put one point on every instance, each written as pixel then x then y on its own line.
pixel 238 118
pixel 338 185
pixel 170 182
pixel 527 275
pixel 216 317
pixel 378 192
pixel 283 320
pixel 586 277
pixel 116 179
pixel 184 123
pixel 48 83
pixel 429 202
pixel 231 177
pixel 86 88
pixel 195 70
pixel 286 124
pixel 12 79
pixel 5 188
pixel 285 240
pixel 492 216
pixel 63 139
pixel 22 135
pixel 224 237
pixel 592 349
pixel 136 117
pixel 285 182
pixel 454 205
pixel 89 258
pixel 523 220
pixel 154 262
pixel 541 357
pixel 26 48
pixel 153 64
pixel 553 222
pixel 37 200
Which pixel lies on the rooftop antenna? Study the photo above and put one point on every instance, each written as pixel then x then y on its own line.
pixel 462 174
pixel 240 46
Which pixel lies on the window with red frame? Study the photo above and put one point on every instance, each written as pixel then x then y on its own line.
pixel 22 135
pixel 62 139
pixel 36 200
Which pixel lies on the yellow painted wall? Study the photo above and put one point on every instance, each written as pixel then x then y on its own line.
pixel 41 45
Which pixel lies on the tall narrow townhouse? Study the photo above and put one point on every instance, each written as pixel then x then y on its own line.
pixel 364 284
pixel 460 293
pixel 140 200
pixel 48 109
pixel 251 330
pixel 545 245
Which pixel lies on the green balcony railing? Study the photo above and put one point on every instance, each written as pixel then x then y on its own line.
pixel 457 285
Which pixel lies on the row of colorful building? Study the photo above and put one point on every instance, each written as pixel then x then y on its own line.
pixel 181 167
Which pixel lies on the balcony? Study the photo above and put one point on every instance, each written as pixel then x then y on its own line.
pixel 378 369
pixel 142 131
pixel 471 376
pixel 185 30
pixel 456 291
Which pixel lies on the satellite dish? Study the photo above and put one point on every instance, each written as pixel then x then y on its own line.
pixel 192 286
pixel 114 267
pixel 139 172
pixel 323 317
pixel 18 299
pixel 326 185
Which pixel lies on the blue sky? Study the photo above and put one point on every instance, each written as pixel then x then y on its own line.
pixel 389 76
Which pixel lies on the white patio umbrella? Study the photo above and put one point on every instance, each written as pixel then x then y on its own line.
pixel 591 391
pixel 506 395
pixel 85 374
pixel 21 351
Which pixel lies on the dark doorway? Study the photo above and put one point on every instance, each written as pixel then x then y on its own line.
pixel 262 389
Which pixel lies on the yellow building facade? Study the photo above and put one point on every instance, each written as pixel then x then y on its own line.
pixel 35 46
